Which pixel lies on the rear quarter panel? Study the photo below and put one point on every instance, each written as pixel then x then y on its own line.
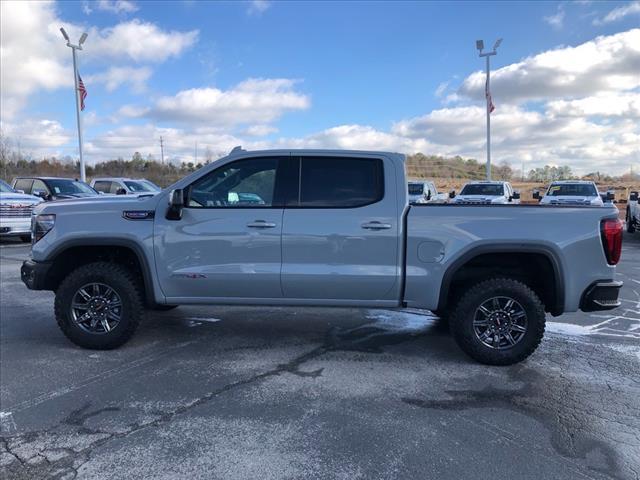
pixel 439 235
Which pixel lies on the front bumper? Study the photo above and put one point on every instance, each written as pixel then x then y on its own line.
pixel 34 274
pixel 601 295
pixel 15 226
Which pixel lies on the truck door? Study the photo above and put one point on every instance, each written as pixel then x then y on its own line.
pixel 340 235
pixel 227 243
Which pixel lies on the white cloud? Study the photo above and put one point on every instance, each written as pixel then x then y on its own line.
pixel 557 19
pixel 258 7
pixel 632 8
pixel 138 41
pixel 259 130
pixel 621 105
pixel 36 62
pixel 38 137
pixel 255 101
pixel 117 6
pixel 114 77
pixel 605 64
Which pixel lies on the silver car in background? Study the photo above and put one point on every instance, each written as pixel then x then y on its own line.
pixel 486 193
pixel 424 191
pixel 124 186
pixel 15 212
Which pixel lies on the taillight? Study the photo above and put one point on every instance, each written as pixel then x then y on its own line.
pixel 611 232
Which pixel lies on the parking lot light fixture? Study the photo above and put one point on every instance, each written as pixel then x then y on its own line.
pixel 73 47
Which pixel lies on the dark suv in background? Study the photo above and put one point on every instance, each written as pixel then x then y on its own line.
pixel 53 188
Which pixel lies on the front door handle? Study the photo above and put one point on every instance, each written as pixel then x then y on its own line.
pixel 261 224
pixel 376 226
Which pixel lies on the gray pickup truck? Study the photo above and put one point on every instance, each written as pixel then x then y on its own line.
pixel 322 228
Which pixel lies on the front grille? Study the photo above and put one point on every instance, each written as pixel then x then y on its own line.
pixel 16 211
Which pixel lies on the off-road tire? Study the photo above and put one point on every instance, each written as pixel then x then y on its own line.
pixel 119 279
pixel 463 312
pixel 631 226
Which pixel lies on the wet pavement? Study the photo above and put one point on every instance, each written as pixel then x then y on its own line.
pixel 315 393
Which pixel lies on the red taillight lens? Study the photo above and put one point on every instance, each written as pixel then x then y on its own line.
pixel 611 232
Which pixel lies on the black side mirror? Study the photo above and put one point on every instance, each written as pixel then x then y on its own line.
pixel 633 197
pixel 176 203
pixel 452 194
pixel 42 194
pixel 610 196
pixel 536 195
pixel 121 191
pixel 428 195
pixel 516 195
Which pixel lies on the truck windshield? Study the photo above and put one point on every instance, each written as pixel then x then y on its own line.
pixel 140 186
pixel 573 189
pixel 416 189
pixel 482 189
pixel 5 188
pixel 64 186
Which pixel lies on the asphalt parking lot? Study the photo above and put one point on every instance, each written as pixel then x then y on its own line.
pixel 308 393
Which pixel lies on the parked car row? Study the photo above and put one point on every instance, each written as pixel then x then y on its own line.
pixel 18 200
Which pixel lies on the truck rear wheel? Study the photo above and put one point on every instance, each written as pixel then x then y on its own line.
pixel 498 321
pixel 99 306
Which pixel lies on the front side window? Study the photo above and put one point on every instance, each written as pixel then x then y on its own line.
pixel 245 183
pixel 39 187
pixel 335 182
pixel 102 186
pixel 416 189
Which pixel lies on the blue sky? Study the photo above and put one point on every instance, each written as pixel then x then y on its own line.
pixel 353 74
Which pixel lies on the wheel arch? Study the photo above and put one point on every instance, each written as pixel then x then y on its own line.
pixel 72 254
pixel 553 297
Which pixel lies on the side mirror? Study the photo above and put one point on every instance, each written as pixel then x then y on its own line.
pixel 42 194
pixel 633 197
pixel 452 194
pixel 536 195
pixel 428 196
pixel 121 191
pixel 610 196
pixel 176 203
pixel 516 195
pixel 20 191
pixel 100 192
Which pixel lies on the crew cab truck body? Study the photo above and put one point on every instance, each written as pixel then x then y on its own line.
pixel 633 212
pixel 335 229
pixel 571 192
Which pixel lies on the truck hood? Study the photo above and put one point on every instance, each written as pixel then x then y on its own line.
pixel 570 200
pixel 481 199
pixel 99 203
pixel 19 197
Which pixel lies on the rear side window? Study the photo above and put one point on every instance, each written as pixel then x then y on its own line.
pixel 338 182
pixel 23 184
pixel 102 186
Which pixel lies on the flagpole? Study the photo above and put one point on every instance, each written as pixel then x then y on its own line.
pixel 487 98
pixel 83 177
pixel 73 48
pixel 487 95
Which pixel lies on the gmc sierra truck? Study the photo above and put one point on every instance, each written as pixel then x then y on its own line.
pixel 321 228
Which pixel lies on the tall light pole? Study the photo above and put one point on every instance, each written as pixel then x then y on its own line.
pixel 83 37
pixel 487 94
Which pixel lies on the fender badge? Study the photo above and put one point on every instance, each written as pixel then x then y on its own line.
pixel 138 214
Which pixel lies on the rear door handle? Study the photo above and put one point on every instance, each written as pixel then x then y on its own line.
pixel 261 224
pixel 376 226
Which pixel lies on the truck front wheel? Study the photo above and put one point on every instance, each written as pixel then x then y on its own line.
pixel 99 305
pixel 498 321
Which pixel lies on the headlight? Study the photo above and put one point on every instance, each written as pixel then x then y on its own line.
pixel 41 225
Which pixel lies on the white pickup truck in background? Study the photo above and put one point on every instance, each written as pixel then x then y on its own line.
pixel 424 191
pixel 633 212
pixel 571 192
pixel 486 193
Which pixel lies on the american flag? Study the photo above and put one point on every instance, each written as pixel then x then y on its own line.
pixel 82 91
pixel 488 95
